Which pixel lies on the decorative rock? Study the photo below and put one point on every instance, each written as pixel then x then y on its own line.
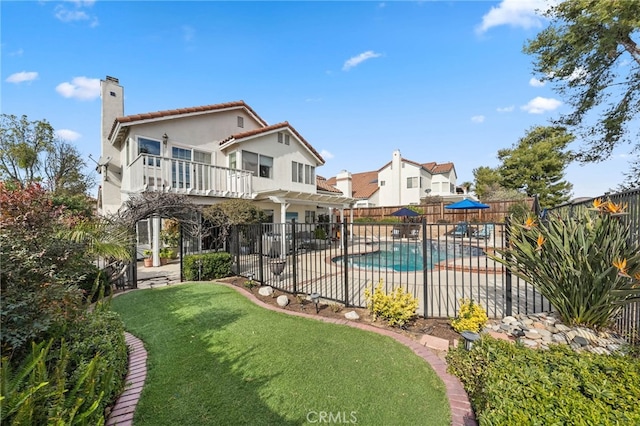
pixel 539 331
pixel 282 300
pixel 559 338
pixel 265 290
pixel 580 341
pixel 532 335
pixel 508 320
pixel 352 315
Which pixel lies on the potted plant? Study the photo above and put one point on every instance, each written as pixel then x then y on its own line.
pixel 148 258
pixel 166 253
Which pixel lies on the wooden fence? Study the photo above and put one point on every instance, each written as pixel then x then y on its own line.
pixel 437 213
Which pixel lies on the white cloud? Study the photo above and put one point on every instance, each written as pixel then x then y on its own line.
pixel 313 100
pixel 357 60
pixel 539 105
pixel 65 14
pixel 534 82
pixel 18 52
pixel 516 13
pixel 68 135
pixel 82 88
pixel 505 109
pixel 326 154
pixel 478 118
pixel 21 77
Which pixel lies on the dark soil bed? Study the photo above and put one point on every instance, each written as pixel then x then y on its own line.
pixel 436 327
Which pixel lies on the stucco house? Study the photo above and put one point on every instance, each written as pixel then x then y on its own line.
pixel 210 153
pixel 400 182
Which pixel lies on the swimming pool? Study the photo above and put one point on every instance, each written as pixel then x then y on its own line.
pixel 403 256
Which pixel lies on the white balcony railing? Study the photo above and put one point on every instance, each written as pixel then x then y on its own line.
pixel 152 173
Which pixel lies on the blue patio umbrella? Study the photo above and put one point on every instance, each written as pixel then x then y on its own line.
pixel 465 205
pixel 405 212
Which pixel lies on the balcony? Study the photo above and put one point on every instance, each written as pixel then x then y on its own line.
pixel 152 173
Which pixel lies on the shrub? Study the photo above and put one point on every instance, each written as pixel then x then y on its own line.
pixel 585 264
pixel 509 384
pixel 397 307
pixel 472 317
pixel 209 266
pixel 95 284
pixel 68 381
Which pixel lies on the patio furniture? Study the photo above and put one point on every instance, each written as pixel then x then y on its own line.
pixel 461 230
pixel 485 232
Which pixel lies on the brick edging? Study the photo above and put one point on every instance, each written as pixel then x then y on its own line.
pixel 461 412
pixel 125 406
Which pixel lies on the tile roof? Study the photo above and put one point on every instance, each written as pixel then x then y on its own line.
pixel 363 185
pixel 435 168
pixel 184 111
pixel 283 125
pixel 323 185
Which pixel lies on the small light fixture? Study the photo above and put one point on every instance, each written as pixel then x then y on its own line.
pixel 315 298
pixel 469 338
pixel 165 138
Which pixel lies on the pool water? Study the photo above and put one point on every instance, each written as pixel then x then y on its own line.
pixel 403 257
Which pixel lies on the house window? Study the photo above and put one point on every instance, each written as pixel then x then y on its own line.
pixel 240 121
pixel 149 147
pixel 452 188
pixel 283 137
pixel 297 172
pixel 412 182
pixel 309 216
pixel 250 161
pixel 180 169
pixel 266 166
pixel 309 174
pixel 382 183
pixel 233 160
pixel 289 216
pixel 260 165
pixel 201 157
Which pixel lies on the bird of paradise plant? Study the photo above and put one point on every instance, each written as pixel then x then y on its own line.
pixel 585 264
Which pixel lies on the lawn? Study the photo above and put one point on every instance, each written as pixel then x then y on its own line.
pixel 214 357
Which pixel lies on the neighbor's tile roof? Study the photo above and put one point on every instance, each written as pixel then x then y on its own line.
pixel 435 168
pixel 323 185
pixel 184 111
pixel 363 185
pixel 283 125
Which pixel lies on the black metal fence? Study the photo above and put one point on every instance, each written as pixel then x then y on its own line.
pixel 439 264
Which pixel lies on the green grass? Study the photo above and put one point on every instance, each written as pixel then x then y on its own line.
pixel 215 358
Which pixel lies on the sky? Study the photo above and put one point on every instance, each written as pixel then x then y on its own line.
pixel 440 81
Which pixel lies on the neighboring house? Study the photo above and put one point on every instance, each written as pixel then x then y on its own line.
pixel 400 182
pixel 211 153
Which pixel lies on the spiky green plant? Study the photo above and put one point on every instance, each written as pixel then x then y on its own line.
pixel 583 263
